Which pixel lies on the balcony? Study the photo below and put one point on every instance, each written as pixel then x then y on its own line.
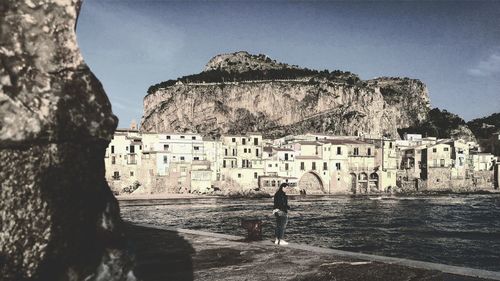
pixel 362 169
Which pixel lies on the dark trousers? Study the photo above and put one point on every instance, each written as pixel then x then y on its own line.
pixel 280 226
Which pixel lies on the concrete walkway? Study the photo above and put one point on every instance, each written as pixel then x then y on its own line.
pixel 164 253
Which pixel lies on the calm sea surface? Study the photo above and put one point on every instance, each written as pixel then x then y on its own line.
pixel 457 230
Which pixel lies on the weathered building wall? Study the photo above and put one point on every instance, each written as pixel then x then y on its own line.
pixel 58 217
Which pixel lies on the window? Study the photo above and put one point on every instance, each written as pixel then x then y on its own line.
pixel 243 163
pixel 196 147
pixel 193 137
pixel 314 166
pixel 269 165
pixel 255 141
pixel 434 150
pixel 442 162
pixel 232 164
pixel 445 149
pixel 325 166
pixel 249 150
pixel 234 152
pixel 165 159
pixel 243 141
pixel 225 151
pixel 131 173
pixel 168 137
pixel 113 160
pixel 337 166
pixel 126 148
pixel 140 147
pixel 302 166
pixel 223 163
pixel 116 175
pixel 112 149
pixel 286 166
pixel 369 152
pixel 239 175
pixel 257 152
pixel 339 150
pixel 356 151
pixel 435 163
pixel 165 147
pixel 182 158
pixel 286 156
pixel 132 149
pixel 196 158
pixel 183 137
pixel 390 144
pixel 233 140
pixel 244 150
pixel 255 175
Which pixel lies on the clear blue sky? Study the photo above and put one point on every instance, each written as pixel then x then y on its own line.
pixel 452 46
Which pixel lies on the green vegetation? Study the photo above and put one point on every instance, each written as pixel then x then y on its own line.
pixel 221 75
pixel 439 124
pixel 485 127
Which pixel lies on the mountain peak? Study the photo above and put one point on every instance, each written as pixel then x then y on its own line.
pixel 243 61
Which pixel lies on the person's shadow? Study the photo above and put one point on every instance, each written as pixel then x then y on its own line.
pixel 160 254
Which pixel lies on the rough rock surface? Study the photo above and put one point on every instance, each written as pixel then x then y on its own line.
pixel 243 61
pixel 310 101
pixel 58 218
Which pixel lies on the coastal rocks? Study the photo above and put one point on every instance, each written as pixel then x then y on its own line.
pixel 58 218
pixel 277 99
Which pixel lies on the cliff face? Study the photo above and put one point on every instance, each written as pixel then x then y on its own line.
pixel 284 99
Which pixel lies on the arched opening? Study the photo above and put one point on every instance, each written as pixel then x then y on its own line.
pixel 374 182
pixel 353 183
pixel 363 183
pixel 311 183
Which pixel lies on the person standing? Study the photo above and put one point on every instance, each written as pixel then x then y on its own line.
pixel 281 212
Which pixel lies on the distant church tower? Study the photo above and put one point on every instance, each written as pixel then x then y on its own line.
pixel 133 125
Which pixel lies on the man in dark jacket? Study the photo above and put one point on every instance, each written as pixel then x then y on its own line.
pixel 281 212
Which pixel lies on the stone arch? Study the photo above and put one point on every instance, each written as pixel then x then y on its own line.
pixel 374 182
pixel 354 179
pixel 363 182
pixel 311 183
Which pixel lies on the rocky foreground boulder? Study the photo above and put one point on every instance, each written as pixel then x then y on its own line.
pixel 58 217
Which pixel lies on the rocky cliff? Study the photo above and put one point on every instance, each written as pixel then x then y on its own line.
pixel 240 92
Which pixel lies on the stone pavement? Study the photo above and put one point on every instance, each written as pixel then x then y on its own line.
pixel 168 254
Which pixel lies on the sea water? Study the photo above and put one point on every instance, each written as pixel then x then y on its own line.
pixel 461 230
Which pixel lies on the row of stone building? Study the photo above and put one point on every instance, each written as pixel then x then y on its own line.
pixel 311 163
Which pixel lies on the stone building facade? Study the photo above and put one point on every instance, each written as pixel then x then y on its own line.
pixel 311 164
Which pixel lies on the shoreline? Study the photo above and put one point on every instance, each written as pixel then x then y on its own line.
pixel 216 256
pixel 168 196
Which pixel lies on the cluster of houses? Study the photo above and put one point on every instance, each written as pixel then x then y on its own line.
pixel 311 163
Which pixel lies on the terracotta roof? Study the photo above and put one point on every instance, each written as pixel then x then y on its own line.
pixel 282 149
pixel 343 141
pixel 308 157
pixel 308 142
pixel 268 149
